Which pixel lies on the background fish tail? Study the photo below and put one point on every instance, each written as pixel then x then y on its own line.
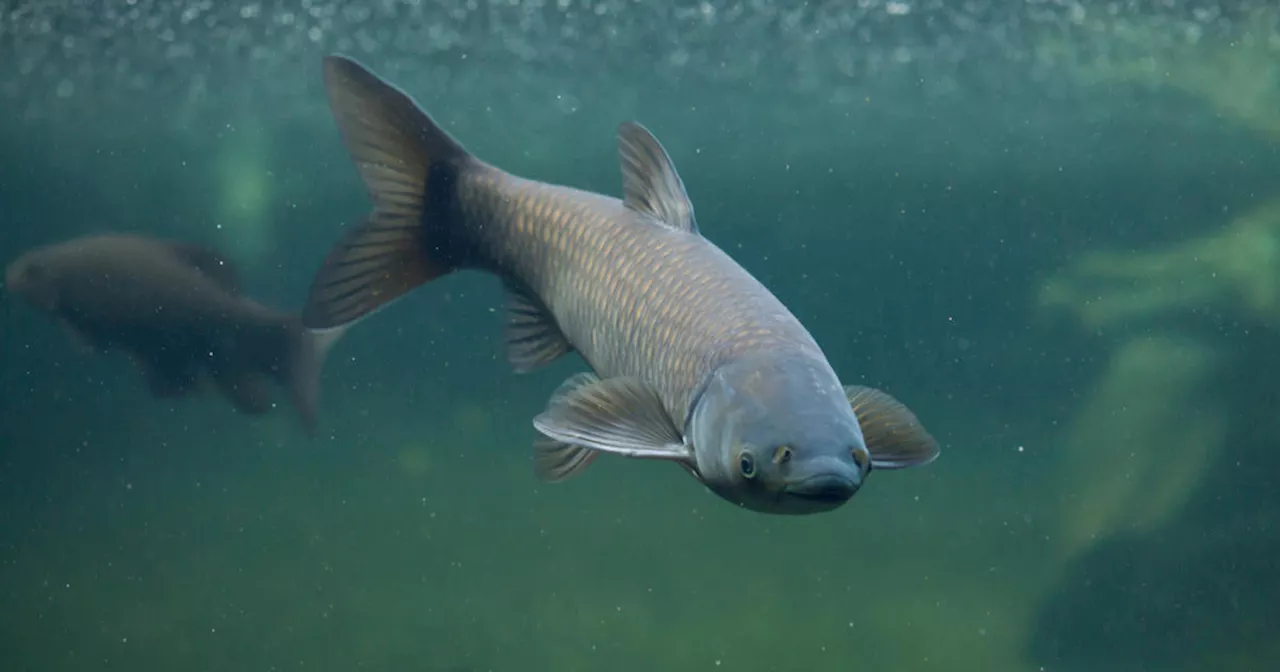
pixel 301 372
pixel 411 168
pixel 281 350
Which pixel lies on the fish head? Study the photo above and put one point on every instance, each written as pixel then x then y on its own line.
pixel 33 278
pixel 775 433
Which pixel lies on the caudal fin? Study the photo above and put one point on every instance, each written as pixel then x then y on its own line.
pixel 410 166
pixel 301 373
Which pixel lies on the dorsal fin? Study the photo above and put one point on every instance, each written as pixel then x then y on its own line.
pixel 210 262
pixel 650 183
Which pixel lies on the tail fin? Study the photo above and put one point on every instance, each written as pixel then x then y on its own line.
pixel 410 166
pixel 273 347
pixel 301 372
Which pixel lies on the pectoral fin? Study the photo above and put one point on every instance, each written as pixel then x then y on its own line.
pixel 553 460
pixel 895 438
pixel 623 416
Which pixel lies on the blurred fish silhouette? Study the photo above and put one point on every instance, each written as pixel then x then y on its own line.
pixel 176 309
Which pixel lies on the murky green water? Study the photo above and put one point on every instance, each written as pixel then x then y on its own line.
pixel 1049 227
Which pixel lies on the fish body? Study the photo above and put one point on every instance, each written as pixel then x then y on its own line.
pixel 176 309
pixel 631 297
pixel 693 360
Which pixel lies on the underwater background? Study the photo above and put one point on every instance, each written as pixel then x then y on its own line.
pixel 1052 228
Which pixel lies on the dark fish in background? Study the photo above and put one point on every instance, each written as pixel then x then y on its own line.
pixel 177 310
pixel 695 361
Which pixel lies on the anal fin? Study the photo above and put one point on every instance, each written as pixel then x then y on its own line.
pixel 894 436
pixel 532 336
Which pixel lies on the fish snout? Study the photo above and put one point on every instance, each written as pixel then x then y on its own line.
pixel 13 277
pixel 829 482
pixel 29 281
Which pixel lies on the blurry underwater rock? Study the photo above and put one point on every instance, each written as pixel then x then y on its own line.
pixel 1168 538
pixel 1133 452
pixel 1235 270
pixel 1234 72
pixel 1237 75
pixel 1132 455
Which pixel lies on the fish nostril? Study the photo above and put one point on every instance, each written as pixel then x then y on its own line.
pixel 861 458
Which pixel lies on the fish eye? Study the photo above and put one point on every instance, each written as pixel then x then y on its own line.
pixel 747 465
pixel 861 458
pixel 782 455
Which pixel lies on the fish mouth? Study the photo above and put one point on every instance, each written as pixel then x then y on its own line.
pixel 824 488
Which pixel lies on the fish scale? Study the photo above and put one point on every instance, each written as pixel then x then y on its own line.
pixel 667 305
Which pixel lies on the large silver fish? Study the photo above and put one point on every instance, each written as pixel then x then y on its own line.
pixel 695 361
